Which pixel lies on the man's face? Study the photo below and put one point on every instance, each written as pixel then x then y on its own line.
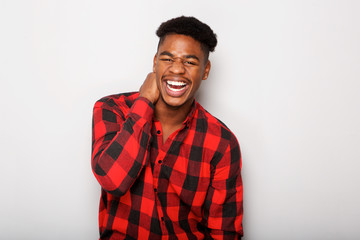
pixel 180 66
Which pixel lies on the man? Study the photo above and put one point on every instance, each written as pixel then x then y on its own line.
pixel 168 169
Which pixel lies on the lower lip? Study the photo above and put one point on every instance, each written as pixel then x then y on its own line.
pixel 173 93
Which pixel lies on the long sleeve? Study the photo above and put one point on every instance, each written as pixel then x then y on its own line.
pixel 120 143
pixel 224 202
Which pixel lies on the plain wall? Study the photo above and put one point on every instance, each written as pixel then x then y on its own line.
pixel 285 79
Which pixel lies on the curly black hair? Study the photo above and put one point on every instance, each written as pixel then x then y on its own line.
pixel 192 27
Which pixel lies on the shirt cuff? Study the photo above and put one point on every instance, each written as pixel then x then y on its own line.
pixel 142 110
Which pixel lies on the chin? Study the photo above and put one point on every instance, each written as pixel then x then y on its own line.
pixel 175 102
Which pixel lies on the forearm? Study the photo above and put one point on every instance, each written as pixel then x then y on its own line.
pixel 223 217
pixel 120 147
pixel 223 210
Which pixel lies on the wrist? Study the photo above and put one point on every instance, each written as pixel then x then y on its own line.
pixel 148 97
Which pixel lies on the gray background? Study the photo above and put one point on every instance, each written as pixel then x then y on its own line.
pixel 285 79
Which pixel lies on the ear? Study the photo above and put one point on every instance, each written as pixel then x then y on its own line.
pixel 154 62
pixel 207 70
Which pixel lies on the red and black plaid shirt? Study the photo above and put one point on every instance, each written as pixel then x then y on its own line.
pixel 190 187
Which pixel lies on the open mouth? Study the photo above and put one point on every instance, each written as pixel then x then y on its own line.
pixel 176 88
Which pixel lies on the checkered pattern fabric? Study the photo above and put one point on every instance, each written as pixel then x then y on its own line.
pixel 189 187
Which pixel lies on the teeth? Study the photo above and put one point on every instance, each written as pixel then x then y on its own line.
pixel 175 89
pixel 176 83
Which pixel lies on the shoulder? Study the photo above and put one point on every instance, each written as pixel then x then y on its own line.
pixel 220 143
pixel 215 127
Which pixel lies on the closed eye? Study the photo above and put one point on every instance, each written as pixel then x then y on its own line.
pixel 190 62
pixel 166 59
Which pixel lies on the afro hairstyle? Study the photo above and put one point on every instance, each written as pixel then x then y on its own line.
pixel 192 27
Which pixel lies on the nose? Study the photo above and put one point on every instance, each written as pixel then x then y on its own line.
pixel 177 67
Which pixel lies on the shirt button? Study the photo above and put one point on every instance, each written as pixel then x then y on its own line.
pixel 159 161
pixel 158 132
pixel 155 189
pixel 162 218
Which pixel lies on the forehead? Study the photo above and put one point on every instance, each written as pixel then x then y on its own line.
pixel 180 45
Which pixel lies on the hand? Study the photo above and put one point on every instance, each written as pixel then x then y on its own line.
pixel 149 88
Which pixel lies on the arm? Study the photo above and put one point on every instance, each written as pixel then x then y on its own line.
pixel 223 209
pixel 120 144
pixel 121 139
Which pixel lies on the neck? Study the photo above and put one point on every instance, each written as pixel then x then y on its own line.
pixel 172 116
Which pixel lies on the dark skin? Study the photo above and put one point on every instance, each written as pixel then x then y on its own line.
pixel 179 60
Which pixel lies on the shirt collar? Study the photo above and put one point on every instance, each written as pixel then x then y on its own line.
pixel 191 115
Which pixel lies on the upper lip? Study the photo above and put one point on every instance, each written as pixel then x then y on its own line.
pixel 176 78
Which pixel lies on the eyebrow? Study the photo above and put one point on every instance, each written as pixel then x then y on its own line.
pixel 166 53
